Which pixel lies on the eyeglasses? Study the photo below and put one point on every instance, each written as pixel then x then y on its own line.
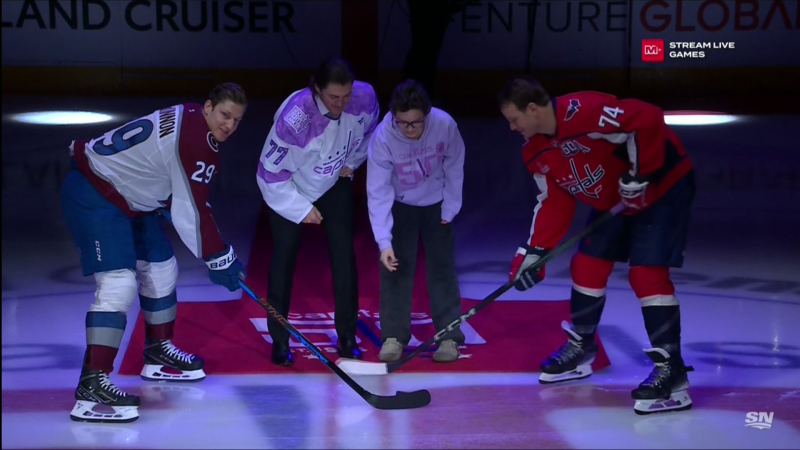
pixel 413 125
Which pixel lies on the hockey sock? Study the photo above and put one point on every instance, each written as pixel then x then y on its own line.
pixel 663 325
pixel 589 277
pixel 104 332
pixel 660 309
pixel 586 311
pixel 159 316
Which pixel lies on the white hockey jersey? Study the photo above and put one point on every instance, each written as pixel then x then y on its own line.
pixel 162 160
pixel 305 149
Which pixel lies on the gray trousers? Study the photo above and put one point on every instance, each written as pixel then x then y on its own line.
pixel 396 287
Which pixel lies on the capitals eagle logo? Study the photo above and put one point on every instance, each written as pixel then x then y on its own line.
pixel 572 109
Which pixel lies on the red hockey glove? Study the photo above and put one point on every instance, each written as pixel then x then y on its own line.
pixel 522 272
pixel 635 192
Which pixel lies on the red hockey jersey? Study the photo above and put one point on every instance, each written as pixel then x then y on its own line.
pixel 598 137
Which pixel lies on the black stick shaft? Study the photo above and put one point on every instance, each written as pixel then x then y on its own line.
pixel 393 366
pixel 299 336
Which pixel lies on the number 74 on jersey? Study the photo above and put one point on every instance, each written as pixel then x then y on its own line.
pixel 609 115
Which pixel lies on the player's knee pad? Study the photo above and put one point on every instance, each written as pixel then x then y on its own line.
pixel 158 278
pixel 590 274
pixel 652 285
pixel 116 290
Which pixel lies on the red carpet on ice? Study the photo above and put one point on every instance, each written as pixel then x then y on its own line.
pixel 232 336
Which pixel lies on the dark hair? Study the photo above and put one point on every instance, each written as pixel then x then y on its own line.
pixel 410 95
pixel 227 91
pixel 521 92
pixel 332 70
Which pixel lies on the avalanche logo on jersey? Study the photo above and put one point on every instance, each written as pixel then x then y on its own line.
pixel 212 142
pixel 572 109
pixel 572 148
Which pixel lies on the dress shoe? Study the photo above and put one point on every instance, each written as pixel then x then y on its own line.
pixel 348 348
pixel 281 355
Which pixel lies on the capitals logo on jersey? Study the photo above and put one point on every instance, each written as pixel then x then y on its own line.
pixel 585 183
pixel 572 109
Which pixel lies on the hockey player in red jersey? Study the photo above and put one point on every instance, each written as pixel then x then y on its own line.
pixel 600 150
pixel 120 185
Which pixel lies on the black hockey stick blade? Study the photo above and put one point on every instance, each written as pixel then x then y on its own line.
pixel 401 400
pixel 373 368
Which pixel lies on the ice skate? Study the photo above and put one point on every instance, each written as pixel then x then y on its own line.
pixel 666 388
pixel 165 362
pixel 572 361
pixel 95 390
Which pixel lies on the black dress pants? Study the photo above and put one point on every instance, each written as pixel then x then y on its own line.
pixel 336 208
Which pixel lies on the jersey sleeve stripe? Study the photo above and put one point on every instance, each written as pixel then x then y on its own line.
pixel 622 138
pixel 195 247
pixel 271 177
pixel 541 183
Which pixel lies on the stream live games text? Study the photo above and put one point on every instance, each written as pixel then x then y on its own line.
pixel 653 50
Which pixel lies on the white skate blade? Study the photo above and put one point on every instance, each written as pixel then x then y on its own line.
pixel 151 372
pixel 356 367
pixel 83 411
pixel 678 401
pixel 580 372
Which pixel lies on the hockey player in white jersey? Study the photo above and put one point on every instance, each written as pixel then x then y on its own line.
pixel 319 137
pixel 113 200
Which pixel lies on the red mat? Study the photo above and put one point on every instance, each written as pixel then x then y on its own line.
pixel 232 336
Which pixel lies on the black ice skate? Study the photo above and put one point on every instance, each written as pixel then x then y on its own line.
pixel 165 362
pixel 572 361
pixel 96 389
pixel 666 389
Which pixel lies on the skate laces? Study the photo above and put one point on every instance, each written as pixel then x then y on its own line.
pixel 567 351
pixel 660 373
pixel 107 385
pixel 176 353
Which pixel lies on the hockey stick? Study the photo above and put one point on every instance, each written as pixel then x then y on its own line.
pixel 401 400
pixel 354 367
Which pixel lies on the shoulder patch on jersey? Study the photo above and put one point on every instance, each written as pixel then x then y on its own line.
pixel 543 168
pixel 572 109
pixel 297 119
pixel 212 142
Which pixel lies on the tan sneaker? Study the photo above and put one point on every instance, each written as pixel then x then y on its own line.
pixel 447 351
pixel 391 350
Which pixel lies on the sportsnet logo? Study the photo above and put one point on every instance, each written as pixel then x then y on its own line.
pixel 652 50
pixel 761 420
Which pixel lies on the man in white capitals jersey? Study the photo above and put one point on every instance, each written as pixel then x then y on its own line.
pixel 113 199
pixel 319 137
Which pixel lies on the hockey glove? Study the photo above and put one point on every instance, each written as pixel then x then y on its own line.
pixel 635 191
pixel 522 272
pixel 224 268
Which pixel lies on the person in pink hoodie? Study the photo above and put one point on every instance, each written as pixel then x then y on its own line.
pixel 415 172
